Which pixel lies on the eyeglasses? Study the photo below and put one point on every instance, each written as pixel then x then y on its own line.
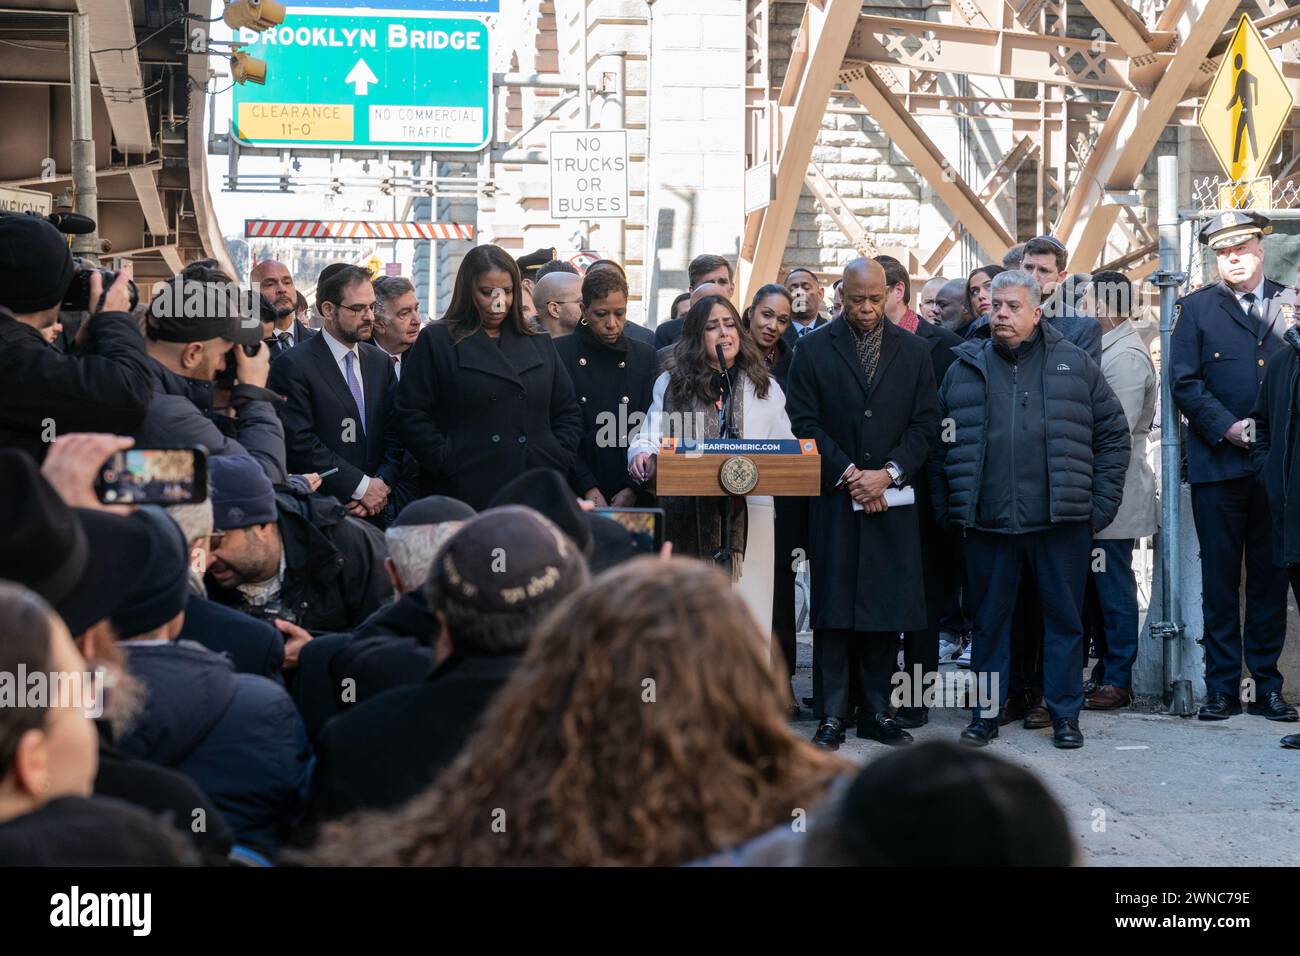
pixel 214 540
pixel 567 301
pixel 359 308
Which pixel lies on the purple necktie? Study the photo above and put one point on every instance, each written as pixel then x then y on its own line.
pixel 355 388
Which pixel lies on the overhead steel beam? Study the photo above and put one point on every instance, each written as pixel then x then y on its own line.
pixel 988 191
pixel 1123 23
pixel 1130 133
pixel 904 132
pixel 830 200
pixel 814 67
pixel 1008 54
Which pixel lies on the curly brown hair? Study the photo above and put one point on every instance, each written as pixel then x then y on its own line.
pixel 644 726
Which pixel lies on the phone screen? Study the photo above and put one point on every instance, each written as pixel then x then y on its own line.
pixel 154 476
pixel 645 525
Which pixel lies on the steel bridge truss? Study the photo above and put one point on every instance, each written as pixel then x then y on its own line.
pixel 1100 105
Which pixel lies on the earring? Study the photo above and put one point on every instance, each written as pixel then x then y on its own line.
pixel 583 321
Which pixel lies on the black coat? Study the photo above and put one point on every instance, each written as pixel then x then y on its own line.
pixel 385 751
pixel 1277 417
pixel 43 392
pixel 1217 365
pixel 253 646
pixel 1087 436
pixel 613 384
pixel 791 335
pixel 317 405
pixel 667 333
pixel 301 334
pixel 166 794
pixel 95 831
pixel 238 736
pixel 334 565
pixel 866 569
pixel 393 647
pixel 481 412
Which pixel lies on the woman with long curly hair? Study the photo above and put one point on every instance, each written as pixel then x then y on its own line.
pixel 644 726
pixel 483 397
pixel 687 404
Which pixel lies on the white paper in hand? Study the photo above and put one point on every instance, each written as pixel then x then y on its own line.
pixel 895 497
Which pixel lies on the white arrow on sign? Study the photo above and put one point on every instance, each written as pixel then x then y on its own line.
pixel 361 76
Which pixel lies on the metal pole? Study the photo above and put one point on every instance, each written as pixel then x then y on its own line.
pixel 85 193
pixel 1178 692
pixel 584 96
pixel 614 116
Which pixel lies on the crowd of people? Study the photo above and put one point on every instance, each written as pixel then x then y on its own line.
pixel 399 626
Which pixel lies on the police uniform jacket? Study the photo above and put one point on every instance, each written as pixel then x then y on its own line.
pixel 1217 361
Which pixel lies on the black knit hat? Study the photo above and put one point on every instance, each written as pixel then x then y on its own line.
pixel 506 559
pixel 545 491
pixel 162 584
pixel 241 493
pixel 435 509
pixel 36 267
pixel 119 546
pixel 43 545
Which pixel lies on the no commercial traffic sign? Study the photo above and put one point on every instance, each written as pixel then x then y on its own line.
pixel 383 81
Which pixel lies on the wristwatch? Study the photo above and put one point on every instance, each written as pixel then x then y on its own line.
pixel 895 474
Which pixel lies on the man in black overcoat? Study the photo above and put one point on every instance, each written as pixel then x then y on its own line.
pixel 864 390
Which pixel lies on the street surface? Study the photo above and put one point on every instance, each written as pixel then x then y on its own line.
pixel 1170 791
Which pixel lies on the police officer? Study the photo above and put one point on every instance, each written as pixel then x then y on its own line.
pixel 1224 335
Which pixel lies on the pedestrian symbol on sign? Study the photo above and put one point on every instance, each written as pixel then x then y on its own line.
pixel 1244 92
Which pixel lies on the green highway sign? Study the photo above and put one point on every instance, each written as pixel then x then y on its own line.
pixel 383 81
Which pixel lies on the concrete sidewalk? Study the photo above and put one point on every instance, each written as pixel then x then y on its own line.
pixel 1146 789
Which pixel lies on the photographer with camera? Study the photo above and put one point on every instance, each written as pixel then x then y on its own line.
pixel 102 384
pixel 201 328
pixel 290 558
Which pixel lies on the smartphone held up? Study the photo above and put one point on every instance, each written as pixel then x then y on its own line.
pixel 154 476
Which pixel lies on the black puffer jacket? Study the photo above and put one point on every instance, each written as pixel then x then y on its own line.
pixel 1087 436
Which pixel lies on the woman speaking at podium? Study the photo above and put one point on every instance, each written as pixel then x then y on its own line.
pixel 688 404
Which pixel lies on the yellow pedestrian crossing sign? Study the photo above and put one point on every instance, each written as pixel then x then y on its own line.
pixel 1247 104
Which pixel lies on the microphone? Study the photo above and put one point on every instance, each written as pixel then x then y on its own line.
pixel 722 366
pixel 725 430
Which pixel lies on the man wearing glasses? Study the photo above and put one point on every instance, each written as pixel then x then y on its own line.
pixel 338 389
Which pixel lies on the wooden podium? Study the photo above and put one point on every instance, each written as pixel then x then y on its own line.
pixel 739 467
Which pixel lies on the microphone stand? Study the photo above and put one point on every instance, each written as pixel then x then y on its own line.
pixel 723 556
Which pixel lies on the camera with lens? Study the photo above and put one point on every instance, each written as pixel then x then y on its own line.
pixel 77 298
pixel 266 313
pixel 271 612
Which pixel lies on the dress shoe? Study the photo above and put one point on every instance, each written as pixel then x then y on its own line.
pixel 909 718
pixel 1274 707
pixel 1291 741
pixel 1218 707
pixel 1037 716
pixel 883 729
pixel 979 732
pixel 1108 697
pixel 1066 733
pixel 830 734
pixel 1014 709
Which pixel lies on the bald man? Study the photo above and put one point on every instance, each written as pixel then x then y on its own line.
pixel 926 307
pixel 950 305
pixel 558 298
pixel 274 281
pixel 864 389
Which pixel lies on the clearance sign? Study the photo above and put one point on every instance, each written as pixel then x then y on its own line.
pixel 384 81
